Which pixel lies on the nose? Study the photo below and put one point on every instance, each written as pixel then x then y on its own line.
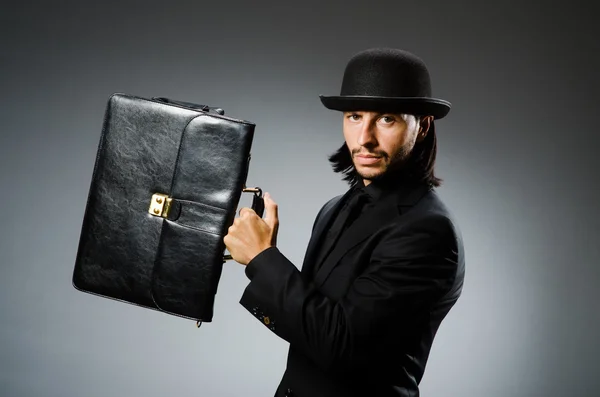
pixel 366 135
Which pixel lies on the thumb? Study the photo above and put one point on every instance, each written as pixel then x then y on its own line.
pixel 271 212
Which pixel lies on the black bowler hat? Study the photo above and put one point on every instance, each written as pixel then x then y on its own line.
pixel 389 80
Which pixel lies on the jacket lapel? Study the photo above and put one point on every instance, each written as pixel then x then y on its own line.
pixel 321 228
pixel 385 212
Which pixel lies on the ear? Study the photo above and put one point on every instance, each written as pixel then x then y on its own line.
pixel 424 127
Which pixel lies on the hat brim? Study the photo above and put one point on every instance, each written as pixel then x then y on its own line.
pixel 438 108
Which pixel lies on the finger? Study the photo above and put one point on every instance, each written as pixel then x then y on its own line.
pixel 246 212
pixel 271 212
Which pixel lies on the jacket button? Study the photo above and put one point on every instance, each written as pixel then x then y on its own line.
pixel 267 320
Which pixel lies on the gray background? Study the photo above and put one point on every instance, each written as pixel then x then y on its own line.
pixel 516 153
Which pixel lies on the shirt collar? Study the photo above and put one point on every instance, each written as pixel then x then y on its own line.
pixel 390 184
pixel 374 190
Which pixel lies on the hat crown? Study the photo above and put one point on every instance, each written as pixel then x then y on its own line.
pixel 386 72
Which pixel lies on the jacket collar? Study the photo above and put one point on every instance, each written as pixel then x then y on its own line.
pixel 390 201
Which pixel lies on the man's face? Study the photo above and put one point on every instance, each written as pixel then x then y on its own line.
pixel 379 142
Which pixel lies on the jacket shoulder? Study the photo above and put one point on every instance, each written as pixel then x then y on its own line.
pixel 431 206
pixel 432 216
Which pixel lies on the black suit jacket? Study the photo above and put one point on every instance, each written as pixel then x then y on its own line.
pixel 364 323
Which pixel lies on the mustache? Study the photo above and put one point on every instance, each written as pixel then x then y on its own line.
pixel 378 153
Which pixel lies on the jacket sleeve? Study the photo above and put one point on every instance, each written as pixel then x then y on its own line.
pixel 410 269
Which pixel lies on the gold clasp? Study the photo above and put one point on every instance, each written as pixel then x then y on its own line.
pixel 160 205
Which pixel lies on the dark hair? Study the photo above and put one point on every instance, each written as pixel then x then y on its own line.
pixel 418 168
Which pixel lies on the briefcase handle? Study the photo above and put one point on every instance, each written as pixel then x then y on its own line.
pixel 189 105
pixel 258 202
pixel 258 205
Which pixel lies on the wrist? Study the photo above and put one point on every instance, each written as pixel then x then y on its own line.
pixel 256 261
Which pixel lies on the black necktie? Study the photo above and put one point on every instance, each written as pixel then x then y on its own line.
pixel 344 219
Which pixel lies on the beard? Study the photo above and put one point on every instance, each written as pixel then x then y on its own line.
pixel 388 164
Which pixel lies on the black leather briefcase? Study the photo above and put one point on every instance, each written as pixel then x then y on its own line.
pixel 165 188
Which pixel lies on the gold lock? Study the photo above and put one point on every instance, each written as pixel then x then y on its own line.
pixel 160 205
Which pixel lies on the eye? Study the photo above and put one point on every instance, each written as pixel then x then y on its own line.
pixel 387 119
pixel 353 117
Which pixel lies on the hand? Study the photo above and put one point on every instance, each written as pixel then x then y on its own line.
pixel 250 234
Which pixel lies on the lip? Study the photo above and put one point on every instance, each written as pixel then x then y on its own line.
pixel 367 159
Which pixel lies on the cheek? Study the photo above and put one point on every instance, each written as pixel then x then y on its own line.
pixel 391 142
pixel 348 135
pixel 394 142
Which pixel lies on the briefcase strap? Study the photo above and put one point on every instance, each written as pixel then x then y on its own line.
pixel 190 105
pixel 258 202
pixel 258 205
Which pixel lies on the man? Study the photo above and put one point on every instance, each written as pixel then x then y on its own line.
pixel 385 262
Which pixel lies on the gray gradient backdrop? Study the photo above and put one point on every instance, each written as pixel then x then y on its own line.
pixel 517 154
